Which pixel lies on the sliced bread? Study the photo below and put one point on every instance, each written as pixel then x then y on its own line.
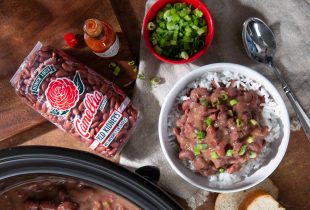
pixel 260 200
pixel 231 201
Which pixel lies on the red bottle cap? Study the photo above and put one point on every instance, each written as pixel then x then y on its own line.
pixel 70 39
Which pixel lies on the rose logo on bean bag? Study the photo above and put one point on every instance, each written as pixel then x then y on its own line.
pixel 62 94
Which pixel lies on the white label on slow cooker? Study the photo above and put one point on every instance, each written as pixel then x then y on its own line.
pixel 113 50
pixel 108 126
pixel 115 132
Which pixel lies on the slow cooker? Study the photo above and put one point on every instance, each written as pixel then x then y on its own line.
pixel 17 165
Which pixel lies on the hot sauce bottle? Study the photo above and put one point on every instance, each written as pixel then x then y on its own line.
pixel 101 38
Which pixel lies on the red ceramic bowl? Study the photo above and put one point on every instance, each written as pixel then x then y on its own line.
pixel 151 14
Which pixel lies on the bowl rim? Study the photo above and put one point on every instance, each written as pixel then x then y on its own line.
pixel 208 37
pixel 185 80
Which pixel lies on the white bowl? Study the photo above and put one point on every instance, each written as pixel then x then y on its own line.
pixel 278 146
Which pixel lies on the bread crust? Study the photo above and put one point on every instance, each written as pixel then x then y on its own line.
pixel 251 197
pixel 232 201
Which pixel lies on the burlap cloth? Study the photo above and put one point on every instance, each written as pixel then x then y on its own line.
pixel 289 20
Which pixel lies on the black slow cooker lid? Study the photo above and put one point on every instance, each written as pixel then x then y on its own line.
pixel 81 165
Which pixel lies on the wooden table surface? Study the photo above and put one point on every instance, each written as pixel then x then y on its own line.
pixel 292 176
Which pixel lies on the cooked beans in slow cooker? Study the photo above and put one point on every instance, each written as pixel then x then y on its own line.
pixel 61 194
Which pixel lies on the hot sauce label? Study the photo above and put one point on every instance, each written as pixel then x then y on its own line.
pixel 112 51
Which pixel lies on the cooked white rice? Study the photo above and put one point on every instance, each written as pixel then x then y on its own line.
pixel 270 113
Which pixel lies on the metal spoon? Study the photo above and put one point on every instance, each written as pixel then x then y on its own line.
pixel 260 45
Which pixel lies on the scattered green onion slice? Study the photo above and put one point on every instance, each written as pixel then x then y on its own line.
pixel 230 113
pixel 249 139
pixel 214 155
pixel 141 76
pixel 200 135
pixel 253 122
pixel 204 102
pixel 242 150
pixel 199 147
pixel 135 69
pixel 233 102
pixel 116 70
pixel 154 82
pixel 229 152
pixel 238 123
pixel 253 154
pixel 112 65
pixel 221 170
pixel 208 121
pixel 131 63
pixel 151 26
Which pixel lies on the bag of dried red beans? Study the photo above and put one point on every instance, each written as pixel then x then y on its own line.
pixel 76 99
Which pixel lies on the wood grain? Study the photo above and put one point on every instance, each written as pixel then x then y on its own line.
pixel 24 22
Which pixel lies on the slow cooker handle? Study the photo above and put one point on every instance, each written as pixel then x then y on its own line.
pixel 151 173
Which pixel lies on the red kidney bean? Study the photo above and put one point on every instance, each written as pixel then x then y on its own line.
pixel 76 111
pixel 67 67
pixel 67 205
pixel 95 124
pixel 61 73
pixel 45 54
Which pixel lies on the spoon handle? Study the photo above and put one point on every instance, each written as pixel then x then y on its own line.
pixel 302 116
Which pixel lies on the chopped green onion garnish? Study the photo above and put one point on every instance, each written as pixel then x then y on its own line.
pixel 116 71
pixel 196 151
pixel 131 63
pixel 151 26
pixel 233 102
pixel 154 82
pixel 221 170
pixel 253 154
pixel 198 13
pixel 208 121
pixel 214 155
pixel 229 152
pixel 223 96
pixel 230 113
pixel 200 135
pixel 204 102
pixel 242 150
pixel 112 65
pixel 135 69
pixel 179 30
pixel 199 147
pixel 238 123
pixel 184 55
pixel 253 122
pixel 141 76
pixel 249 139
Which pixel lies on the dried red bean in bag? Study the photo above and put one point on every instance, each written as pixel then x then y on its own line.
pixel 76 99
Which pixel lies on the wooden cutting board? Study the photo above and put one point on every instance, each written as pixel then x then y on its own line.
pixel 23 23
